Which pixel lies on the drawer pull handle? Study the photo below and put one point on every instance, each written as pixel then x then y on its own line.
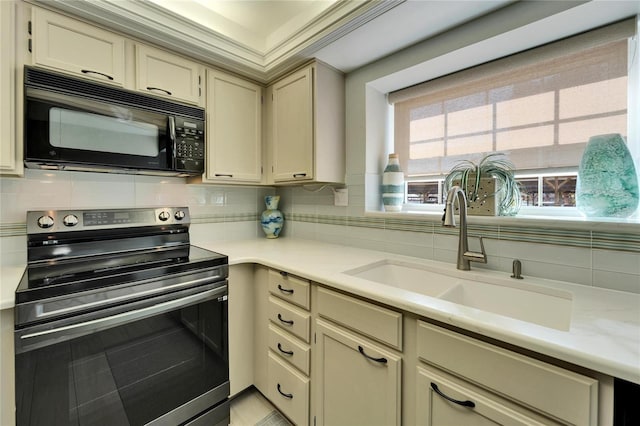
pixel 466 403
pixel 299 175
pixel 290 353
pixel 98 73
pixel 285 290
pixel 284 273
pixel 286 395
pixel 380 360
pixel 159 89
pixel 288 322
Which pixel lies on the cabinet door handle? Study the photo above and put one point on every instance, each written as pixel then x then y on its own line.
pixel 160 90
pixel 285 290
pixel 289 322
pixel 466 403
pixel 290 353
pixel 223 175
pixel 97 72
pixel 380 360
pixel 286 395
pixel 299 175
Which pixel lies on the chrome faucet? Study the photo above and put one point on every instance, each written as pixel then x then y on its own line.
pixel 465 257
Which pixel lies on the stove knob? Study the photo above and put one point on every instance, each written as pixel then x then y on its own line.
pixel 45 222
pixel 70 220
pixel 180 215
pixel 164 215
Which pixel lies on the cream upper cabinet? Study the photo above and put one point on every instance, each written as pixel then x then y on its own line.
pixel 73 46
pixel 307 126
pixel 357 382
pixel 234 129
pixel 10 149
pixel 162 73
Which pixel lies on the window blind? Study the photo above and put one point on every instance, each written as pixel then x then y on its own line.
pixel 539 106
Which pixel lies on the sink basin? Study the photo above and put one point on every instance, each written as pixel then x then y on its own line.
pixel 538 305
pixel 407 276
pixel 526 302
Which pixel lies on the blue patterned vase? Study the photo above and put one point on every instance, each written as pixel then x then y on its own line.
pixel 392 185
pixel 271 219
pixel 607 182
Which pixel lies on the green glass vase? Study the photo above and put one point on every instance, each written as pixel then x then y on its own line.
pixel 607 180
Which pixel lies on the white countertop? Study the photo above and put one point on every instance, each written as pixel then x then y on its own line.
pixel 605 325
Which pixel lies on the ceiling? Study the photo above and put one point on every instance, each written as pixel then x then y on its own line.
pixel 262 39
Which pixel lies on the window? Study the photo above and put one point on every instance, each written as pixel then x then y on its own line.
pixel 544 190
pixel 539 107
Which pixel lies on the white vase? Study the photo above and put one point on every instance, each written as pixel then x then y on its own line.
pixel 272 219
pixel 392 185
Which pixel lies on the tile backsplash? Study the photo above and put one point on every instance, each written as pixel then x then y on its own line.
pixel 218 213
pixel 221 213
pixel 589 257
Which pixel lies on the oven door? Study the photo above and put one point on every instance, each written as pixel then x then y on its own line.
pixel 65 130
pixel 157 361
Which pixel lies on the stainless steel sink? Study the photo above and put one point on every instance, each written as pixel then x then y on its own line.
pixel 532 303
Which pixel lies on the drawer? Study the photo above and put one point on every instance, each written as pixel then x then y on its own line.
pixel 288 390
pixel 379 323
pixel 290 288
pixel 289 348
pixel 288 317
pixel 562 393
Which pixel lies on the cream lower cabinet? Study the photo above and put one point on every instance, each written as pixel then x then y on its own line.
pixel 284 350
pixel 513 388
pixel 325 357
pixel 444 400
pixel 357 377
pixel 357 381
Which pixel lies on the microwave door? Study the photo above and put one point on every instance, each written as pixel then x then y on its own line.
pixel 90 132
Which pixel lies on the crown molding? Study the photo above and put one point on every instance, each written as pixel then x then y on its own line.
pixel 149 22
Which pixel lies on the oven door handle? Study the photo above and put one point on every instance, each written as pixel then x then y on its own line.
pixel 42 338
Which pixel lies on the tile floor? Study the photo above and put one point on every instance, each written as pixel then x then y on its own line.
pixel 251 409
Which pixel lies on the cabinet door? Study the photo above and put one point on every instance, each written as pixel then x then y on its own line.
pixel 288 390
pixel 164 74
pixel 69 45
pixel 293 127
pixel 356 382
pixel 10 162
pixel 442 400
pixel 234 123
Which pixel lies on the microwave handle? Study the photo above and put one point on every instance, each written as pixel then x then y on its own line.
pixel 172 139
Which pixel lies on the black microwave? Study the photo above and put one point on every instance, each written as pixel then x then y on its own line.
pixel 74 124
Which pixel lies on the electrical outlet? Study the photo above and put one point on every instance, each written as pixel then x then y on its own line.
pixel 341 197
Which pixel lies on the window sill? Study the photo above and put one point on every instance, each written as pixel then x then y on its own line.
pixel 573 223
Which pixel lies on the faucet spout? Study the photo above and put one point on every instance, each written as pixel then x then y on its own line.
pixel 465 256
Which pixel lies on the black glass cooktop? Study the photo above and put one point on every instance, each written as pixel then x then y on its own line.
pixel 66 276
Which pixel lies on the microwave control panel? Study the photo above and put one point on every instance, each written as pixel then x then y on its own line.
pixel 189 144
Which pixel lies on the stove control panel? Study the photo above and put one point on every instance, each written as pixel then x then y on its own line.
pixel 51 221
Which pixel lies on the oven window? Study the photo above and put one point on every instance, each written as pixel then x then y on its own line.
pixel 94 132
pixel 126 375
